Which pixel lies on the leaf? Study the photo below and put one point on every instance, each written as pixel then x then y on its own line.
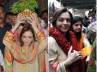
pixel 24 4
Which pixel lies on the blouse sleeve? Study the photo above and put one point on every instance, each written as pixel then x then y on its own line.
pixel 56 56
pixel 8 39
pixel 1 60
pixel 53 53
pixel 8 60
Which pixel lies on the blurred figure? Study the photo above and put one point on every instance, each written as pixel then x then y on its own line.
pixel 27 53
pixel 44 21
pixel 3 27
pixel 2 66
pixel 82 39
pixel 44 16
pixel 11 18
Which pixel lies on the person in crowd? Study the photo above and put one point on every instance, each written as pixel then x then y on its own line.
pixel 26 53
pixel 64 52
pixel 44 16
pixel 11 18
pixel 82 39
pixel 44 21
pixel 91 35
pixel 3 27
pixel 77 29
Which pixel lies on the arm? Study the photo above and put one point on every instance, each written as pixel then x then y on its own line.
pixel 42 41
pixel 9 36
pixel 8 59
pixel 8 39
pixel 54 53
pixel 1 60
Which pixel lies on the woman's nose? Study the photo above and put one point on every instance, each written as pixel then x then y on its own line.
pixel 79 26
pixel 65 22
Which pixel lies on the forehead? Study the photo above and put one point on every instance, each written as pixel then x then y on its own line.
pixel 78 23
pixel 27 33
pixel 65 15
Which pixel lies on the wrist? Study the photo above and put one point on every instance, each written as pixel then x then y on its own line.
pixel 68 61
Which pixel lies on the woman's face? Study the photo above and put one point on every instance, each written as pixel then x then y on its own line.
pixel 64 22
pixel 27 38
pixel 77 27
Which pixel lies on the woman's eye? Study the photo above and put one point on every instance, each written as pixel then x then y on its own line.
pixel 61 19
pixel 30 37
pixel 68 20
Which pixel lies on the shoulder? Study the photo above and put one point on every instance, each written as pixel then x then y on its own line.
pixel 51 40
pixel 52 44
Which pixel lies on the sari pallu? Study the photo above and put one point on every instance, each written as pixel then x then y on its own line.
pixel 19 59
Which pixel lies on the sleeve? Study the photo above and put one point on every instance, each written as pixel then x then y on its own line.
pixel 1 59
pixel 8 60
pixel 55 62
pixel 8 39
pixel 53 53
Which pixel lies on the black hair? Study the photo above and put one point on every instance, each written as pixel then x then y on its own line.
pixel 2 7
pixel 58 13
pixel 76 19
pixel 11 13
pixel 26 27
pixel 42 12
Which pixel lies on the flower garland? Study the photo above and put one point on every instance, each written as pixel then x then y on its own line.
pixel 62 41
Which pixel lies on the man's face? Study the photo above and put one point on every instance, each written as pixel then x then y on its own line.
pixel 64 22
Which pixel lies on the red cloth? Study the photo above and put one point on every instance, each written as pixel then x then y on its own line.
pixel 62 41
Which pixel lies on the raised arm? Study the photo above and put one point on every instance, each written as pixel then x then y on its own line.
pixel 41 38
pixel 9 37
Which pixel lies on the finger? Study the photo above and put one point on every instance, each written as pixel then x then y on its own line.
pixel 74 51
pixel 70 50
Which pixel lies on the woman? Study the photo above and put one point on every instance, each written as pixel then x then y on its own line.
pixel 77 29
pixel 25 55
pixel 63 48
pixel 81 38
